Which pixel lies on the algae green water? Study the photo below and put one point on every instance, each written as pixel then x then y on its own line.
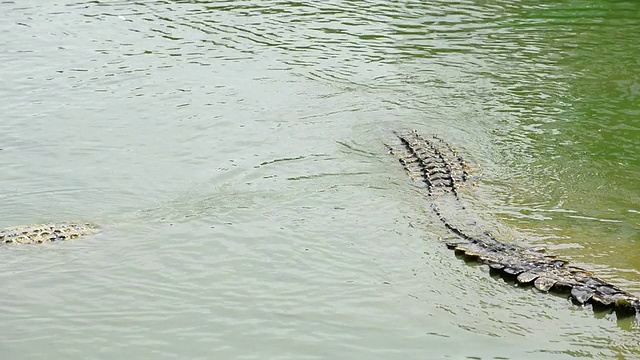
pixel 233 155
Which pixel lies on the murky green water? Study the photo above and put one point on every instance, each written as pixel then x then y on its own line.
pixel 233 153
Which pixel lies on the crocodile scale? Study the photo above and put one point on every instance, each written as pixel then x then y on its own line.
pixel 38 234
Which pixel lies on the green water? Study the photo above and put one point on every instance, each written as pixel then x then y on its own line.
pixel 233 154
pixel 582 130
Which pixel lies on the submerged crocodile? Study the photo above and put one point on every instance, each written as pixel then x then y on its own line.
pixel 434 166
pixel 37 234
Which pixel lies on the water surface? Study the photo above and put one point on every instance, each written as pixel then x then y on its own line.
pixel 233 153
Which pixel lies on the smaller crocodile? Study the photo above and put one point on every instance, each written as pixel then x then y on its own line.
pixel 37 234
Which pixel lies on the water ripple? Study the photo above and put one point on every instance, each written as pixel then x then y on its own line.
pixel 194 117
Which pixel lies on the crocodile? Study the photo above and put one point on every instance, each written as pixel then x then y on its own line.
pixel 443 174
pixel 38 234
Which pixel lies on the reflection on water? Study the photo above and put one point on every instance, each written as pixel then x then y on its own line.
pixel 233 153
